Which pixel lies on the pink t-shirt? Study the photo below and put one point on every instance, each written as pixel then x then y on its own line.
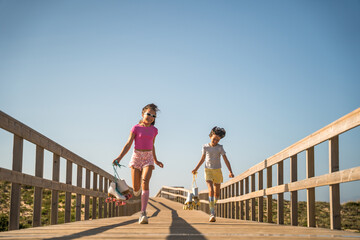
pixel 144 136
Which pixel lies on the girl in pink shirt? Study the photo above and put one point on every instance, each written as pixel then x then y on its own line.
pixel 144 157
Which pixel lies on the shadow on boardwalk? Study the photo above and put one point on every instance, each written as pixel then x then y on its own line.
pixel 94 231
pixel 180 229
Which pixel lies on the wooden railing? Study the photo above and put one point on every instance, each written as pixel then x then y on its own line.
pixel 240 190
pixel 97 189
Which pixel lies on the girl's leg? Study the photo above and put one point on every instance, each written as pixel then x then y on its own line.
pixel 146 175
pixel 136 179
pixel 210 188
pixel 217 190
pixel 211 197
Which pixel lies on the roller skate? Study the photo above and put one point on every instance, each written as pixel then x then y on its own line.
pixel 123 188
pixel 118 191
pixel 115 196
pixel 189 204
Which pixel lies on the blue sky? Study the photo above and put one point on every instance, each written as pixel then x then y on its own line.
pixel 269 72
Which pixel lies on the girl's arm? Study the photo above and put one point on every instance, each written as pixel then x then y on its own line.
pixel 199 164
pixel 160 164
pixel 231 175
pixel 126 148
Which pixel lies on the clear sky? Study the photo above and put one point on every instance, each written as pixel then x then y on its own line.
pixel 269 72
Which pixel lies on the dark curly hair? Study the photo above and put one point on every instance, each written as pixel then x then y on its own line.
pixel 152 107
pixel 218 131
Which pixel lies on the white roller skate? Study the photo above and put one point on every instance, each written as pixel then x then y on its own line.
pixel 189 204
pixel 114 195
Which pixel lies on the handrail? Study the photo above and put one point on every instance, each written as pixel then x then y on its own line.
pixel 241 189
pixel 97 189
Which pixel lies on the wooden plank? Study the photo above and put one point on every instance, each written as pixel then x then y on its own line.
pixel 310 172
pixel 38 192
pixel 69 167
pixel 55 193
pixel 14 217
pixel 335 219
pixel 293 194
pixel 280 203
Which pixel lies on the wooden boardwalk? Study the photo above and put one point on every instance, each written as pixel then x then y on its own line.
pixel 168 221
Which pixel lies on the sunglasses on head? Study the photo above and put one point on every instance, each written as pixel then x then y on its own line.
pixel 151 115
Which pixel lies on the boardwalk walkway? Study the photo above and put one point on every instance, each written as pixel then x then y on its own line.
pixel 169 221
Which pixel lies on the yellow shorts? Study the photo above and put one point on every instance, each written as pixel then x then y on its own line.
pixel 214 175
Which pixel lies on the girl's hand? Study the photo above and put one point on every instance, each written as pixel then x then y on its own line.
pixel 115 161
pixel 160 164
pixel 231 175
pixel 194 172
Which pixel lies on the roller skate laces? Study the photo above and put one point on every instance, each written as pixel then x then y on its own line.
pixel 143 218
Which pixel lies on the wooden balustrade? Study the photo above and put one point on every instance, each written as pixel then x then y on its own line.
pixel 97 190
pixel 235 196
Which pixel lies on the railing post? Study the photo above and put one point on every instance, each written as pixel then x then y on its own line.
pixel 105 204
pixel 335 219
pixel 94 198
pixel 280 205
pixel 69 167
pixel 55 193
pixel 39 171
pixel 269 197
pixel 237 204
pixel 87 198
pixel 78 196
pixel 242 202
pixel 232 204
pixel 310 172
pixel 293 194
pixel 261 199
pixel 253 199
pixel 15 187
pixel 247 217
pixel 101 186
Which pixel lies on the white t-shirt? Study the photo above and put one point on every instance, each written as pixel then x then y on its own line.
pixel 212 155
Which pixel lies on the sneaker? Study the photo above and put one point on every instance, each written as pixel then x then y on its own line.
pixel 136 194
pixel 212 218
pixel 143 218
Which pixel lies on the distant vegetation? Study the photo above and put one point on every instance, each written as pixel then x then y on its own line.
pixel 350 211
